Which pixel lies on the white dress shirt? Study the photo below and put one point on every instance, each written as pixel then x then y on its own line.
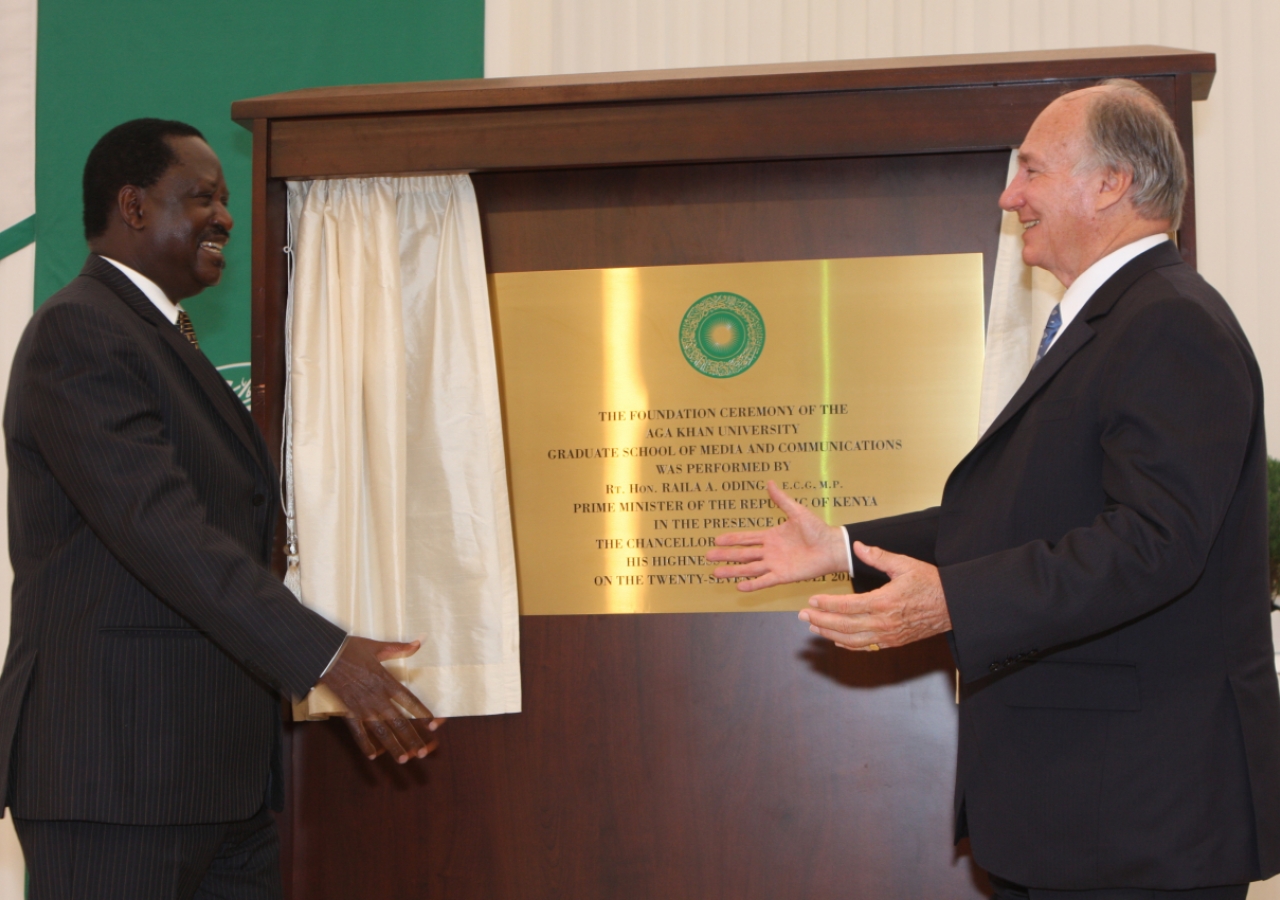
pixel 1076 296
pixel 1094 277
pixel 150 288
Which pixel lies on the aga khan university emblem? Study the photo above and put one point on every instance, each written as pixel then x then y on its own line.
pixel 722 334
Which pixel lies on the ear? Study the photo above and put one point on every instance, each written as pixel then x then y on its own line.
pixel 1113 187
pixel 129 203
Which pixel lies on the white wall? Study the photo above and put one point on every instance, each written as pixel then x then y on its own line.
pixel 17 280
pixel 1237 130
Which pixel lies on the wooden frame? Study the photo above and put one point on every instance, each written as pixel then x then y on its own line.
pixel 673 756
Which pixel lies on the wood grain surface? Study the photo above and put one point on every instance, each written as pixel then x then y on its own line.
pixel 742 212
pixel 800 126
pixel 660 756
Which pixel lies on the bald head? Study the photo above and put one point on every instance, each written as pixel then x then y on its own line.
pixel 1099 169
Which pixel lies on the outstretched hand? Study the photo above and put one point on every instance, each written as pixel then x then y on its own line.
pixel 801 548
pixel 909 608
pixel 371 696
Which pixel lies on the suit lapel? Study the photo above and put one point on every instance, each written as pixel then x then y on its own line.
pixel 1078 334
pixel 1080 331
pixel 226 403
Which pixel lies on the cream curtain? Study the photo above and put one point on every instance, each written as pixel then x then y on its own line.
pixel 1022 298
pixel 395 474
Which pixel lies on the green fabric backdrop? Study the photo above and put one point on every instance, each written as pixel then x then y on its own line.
pixel 103 63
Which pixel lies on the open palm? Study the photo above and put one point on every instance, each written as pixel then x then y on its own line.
pixel 800 548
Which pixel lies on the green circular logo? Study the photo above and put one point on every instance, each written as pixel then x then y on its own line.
pixel 722 334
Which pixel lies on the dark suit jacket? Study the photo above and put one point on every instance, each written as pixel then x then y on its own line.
pixel 149 641
pixel 1103 553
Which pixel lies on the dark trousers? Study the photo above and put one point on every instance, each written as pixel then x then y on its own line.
pixel 98 861
pixel 1006 890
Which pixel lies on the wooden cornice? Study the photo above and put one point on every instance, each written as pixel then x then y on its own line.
pixel 732 81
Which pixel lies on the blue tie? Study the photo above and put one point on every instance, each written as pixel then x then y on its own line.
pixel 1050 329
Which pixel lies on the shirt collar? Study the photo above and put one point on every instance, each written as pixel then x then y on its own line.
pixel 153 291
pixel 1094 277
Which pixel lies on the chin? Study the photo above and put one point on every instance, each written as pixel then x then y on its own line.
pixel 209 276
pixel 1031 255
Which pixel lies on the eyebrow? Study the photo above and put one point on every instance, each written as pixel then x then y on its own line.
pixel 207 184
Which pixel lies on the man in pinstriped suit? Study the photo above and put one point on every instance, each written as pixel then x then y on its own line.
pixel 140 699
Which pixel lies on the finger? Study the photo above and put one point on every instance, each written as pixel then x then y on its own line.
pixel 740 539
pixel 395 649
pixel 429 741
pixel 858 640
pixel 736 554
pixel 860 643
pixel 410 703
pixel 366 746
pixel 842 624
pixel 742 570
pixel 891 564
pixel 408 737
pixel 847 604
pixel 381 731
pixel 783 502
pixel 769 579
pixel 380 709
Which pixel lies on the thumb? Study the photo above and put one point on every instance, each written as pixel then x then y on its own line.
pixel 891 564
pixel 784 502
pixel 395 649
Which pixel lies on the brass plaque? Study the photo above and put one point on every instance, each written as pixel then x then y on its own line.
pixel 646 408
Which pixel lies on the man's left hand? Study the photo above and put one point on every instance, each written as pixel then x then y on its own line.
pixel 911 607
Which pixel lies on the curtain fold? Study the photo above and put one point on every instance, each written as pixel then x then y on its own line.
pixel 1021 299
pixel 396 488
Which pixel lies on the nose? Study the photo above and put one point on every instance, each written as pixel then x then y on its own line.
pixel 222 216
pixel 1011 197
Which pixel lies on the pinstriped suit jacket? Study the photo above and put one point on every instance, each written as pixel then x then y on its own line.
pixel 149 641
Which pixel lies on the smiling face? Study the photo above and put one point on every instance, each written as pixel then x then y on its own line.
pixel 1057 206
pixel 184 221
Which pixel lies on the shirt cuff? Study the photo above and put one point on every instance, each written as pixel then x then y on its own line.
pixel 848 550
pixel 335 657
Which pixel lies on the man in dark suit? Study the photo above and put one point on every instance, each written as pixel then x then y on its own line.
pixel 140 699
pixel 1098 560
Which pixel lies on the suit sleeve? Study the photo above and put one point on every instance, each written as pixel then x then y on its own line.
pixel 1175 415
pixel 94 409
pixel 913 534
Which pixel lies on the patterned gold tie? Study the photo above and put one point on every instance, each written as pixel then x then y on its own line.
pixel 187 329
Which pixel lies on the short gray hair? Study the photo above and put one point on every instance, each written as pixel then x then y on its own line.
pixel 1129 130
